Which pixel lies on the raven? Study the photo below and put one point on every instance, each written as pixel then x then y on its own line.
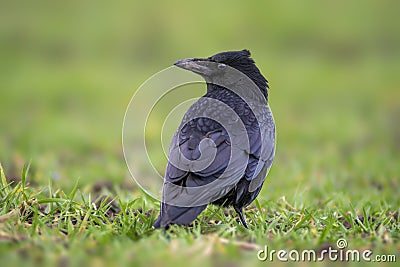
pixel 231 126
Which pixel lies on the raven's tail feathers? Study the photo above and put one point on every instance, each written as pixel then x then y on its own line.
pixel 170 214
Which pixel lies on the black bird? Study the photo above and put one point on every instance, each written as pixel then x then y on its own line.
pixel 231 163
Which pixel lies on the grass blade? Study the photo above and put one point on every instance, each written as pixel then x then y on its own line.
pixel 4 183
pixel 73 192
pixel 25 171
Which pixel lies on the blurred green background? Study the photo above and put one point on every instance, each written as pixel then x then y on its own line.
pixel 69 69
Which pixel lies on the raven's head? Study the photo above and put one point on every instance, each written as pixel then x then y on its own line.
pixel 216 66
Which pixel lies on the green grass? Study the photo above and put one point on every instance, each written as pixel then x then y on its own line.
pixel 68 71
pixel 44 226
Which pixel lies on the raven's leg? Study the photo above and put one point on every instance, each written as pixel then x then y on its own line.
pixel 241 216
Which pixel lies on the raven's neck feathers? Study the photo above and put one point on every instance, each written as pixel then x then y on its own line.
pixel 262 85
pixel 217 91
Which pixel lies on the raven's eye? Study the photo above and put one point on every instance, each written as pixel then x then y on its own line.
pixel 221 66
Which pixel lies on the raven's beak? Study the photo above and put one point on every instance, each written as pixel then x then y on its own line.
pixel 199 66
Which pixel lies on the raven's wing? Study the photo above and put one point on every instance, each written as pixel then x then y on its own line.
pixel 262 142
pixel 211 143
pixel 256 139
pixel 261 132
pixel 200 165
